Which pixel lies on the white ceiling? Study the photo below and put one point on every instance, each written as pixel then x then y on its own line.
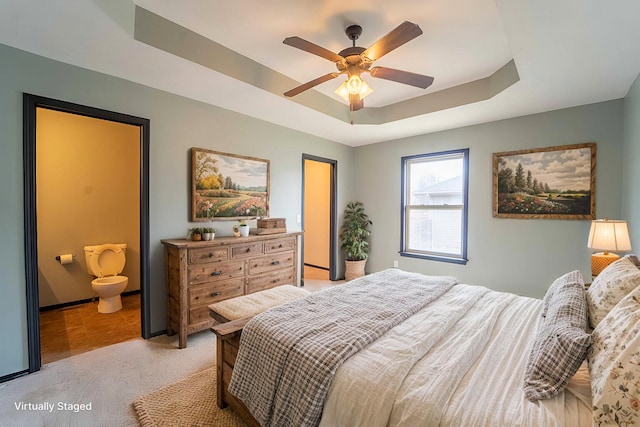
pixel 567 53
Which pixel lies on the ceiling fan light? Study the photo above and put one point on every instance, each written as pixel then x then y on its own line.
pixel 365 90
pixel 342 91
pixel 354 84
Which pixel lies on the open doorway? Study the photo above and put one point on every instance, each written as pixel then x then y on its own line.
pixel 319 218
pixel 50 155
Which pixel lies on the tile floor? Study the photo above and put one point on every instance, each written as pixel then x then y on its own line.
pixel 77 329
pixel 315 273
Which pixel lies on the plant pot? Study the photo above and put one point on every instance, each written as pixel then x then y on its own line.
pixel 208 236
pixel 196 237
pixel 354 269
pixel 244 230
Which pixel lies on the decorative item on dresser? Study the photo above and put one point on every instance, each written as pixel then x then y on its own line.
pixel 270 226
pixel 205 272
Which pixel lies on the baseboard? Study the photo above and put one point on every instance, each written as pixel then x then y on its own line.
pixel 13 376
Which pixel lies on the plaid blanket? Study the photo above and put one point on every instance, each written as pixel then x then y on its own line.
pixel 288 355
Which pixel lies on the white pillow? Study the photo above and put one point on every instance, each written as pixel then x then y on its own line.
pixel 610 286
pixel 614 365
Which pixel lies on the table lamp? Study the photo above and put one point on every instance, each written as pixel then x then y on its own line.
pixel 607 235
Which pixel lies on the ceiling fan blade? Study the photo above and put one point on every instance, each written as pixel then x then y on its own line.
pixel 413 79
pixel 355 102
pixel 312 83
pixel 403 33
pixel 312 48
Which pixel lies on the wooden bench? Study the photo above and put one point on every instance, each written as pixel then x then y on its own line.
pixel 255 303
pixel 234 314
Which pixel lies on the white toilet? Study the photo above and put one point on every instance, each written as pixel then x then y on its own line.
pixel 106 262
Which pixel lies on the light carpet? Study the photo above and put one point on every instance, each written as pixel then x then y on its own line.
pixel 109 379
pixel 188 402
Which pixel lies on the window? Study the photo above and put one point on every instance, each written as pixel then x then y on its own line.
pixel 434 206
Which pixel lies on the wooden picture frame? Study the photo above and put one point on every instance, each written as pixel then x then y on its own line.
pixel 228 186
pixel 547 183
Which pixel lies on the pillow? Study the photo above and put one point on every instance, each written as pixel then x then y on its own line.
pixel 614 365
pixel 561 342
pixel 610 286
pixel 558 285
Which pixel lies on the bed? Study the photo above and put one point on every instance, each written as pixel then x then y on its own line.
pixel 448 354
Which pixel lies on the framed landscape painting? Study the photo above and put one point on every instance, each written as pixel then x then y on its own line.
pixel 550 183
pixel 228 186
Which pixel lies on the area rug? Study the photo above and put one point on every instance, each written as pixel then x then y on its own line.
pixel 188 402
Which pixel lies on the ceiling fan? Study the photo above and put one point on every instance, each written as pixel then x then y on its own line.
pixel 353 61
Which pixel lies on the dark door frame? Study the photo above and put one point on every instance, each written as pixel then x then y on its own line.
pixel 333 214
pixel 30 104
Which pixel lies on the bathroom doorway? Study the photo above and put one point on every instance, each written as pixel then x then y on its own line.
pixel 318 218
pixel 90 170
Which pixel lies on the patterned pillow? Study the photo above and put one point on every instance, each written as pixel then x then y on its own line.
pixel 614 365
pixel 610 286
pixel 561 342
pixel 558 285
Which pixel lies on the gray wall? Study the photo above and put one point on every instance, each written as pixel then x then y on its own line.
pixel 177 124
pixel 630 165
pixel 514 255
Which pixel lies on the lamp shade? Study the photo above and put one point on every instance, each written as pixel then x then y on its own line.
pixel 609 235
pixel 606 235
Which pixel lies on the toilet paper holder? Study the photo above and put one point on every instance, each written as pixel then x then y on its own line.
pixel 59 257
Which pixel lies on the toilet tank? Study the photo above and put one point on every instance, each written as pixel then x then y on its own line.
pixel 89 250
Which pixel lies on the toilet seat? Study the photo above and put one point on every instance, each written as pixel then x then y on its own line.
pixel 108 260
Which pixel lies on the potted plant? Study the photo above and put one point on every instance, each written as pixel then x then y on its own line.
pixel 243 228
pixel 208 233
pixel 353 235
pixel 195 233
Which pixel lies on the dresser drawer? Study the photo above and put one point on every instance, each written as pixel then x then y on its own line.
pixel 202 273
pixel 203 255
pixel 245 251
pixel 270 280
pixel 281 245
pixel 209 293
pixel 269 263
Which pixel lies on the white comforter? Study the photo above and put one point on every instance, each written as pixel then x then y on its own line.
pixel 458 362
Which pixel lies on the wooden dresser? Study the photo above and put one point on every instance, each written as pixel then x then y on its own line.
pixel 204 272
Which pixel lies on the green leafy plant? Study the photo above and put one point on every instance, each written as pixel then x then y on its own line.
pixel 195 230
pixel 354 232
pixel 208 230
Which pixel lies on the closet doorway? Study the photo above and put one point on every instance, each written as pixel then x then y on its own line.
pixel 319 218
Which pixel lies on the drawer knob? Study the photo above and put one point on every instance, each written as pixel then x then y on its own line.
pixel 280 245
pixel 215 294
pixel 216 273
pixel 210 255
pixel 248 250
pixel 275 262
pixel 275 281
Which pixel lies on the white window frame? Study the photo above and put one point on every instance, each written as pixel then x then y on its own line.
pixel 458 257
